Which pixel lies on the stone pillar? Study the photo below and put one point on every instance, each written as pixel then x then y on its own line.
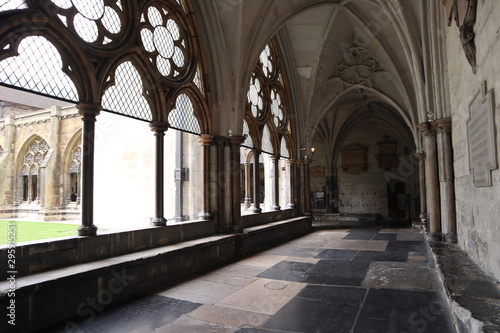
pixel 9 187
pixel 448 180
pixel 89 112
pixel 159 129
pixel 421 182
pixel 432 180
pixel 307 187
pixel 301 189
pixel 50 180
pixel 291 184
pixel 248 187
pixel 275 185
pixel 205 141
pixel 235 142
pixel 256 182
pixel 222 180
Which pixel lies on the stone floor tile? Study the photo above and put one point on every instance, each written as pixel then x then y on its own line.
pixel 362 234
pixel 319 309
pixel 374 245
pixel 396 311
pixel 299 252
pixel 227 316
pixel 286 270
pixel 398 275
pixel 406 236
pixel 187 324
pixel 408 246
pixel 228 279
pixel 200 291
pixel 142 315
pixel 263 296
pixel 262 260
pixel 385 236
pixel 257 330
pixel 344 244
pixel 417 257
pixel 333 254
pixel 240 270
pixel 303 259
pixel 380 256
pixel 333 272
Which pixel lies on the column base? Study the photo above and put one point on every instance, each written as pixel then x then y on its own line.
pixel 276 208
pixel 290 205
pixel 85 230
pixel 158 222
pixel 450 238
pixel 247 203
pixel 257 210
pixel 205 216
pixel 237 229
pixel 436 236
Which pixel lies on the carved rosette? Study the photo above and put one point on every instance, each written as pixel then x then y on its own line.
pixel 356 66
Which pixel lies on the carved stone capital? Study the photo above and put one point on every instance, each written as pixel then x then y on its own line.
pixel 443 124
pixel 205 139
pixel 159 127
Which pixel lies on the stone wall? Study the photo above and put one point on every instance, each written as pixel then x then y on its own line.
pixel 477 207
pixel 366 192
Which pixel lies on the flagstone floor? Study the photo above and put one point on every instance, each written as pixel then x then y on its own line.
pixel 345 280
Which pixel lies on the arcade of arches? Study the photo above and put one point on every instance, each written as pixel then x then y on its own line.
pixel 218 115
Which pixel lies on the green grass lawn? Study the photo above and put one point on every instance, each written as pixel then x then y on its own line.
pixel 29 231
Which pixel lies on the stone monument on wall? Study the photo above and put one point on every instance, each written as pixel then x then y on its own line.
pixel 481 137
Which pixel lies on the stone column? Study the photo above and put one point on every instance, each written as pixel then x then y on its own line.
pixel 256 182
pixel 248 187
pixel 421 178
pixel 205 141
pixel 291 184
pixel 448 179
pixel 89 112
pixel 301 189
pixel 307 187
pixel 235 142
pixel 9 183
pixel 222 179
pixel 275 192
pixel 159 129
pixel 432 180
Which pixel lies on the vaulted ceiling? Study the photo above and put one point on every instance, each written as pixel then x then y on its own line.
pixel 343 58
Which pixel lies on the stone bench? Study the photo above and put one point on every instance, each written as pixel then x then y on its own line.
pixel 474 296
pixel 78 291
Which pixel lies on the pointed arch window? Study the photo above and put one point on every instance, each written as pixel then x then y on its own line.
pixel 39 68
pixel 30 170
pixel 126 94
pixel 183 116
pixel 74 173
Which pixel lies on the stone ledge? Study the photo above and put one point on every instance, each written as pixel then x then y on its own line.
pixel 473 294
pixel 64 294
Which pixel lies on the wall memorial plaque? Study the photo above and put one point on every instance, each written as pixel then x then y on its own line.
pixel 481 137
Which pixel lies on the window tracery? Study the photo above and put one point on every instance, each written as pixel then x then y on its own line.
pixel 267 103
pixel 93 60
pixel 34 157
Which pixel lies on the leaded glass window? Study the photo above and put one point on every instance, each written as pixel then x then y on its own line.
pixel 97 22
pixel 248 138
pixel 267 146
pixel 38 67
pixel 126 96
pixel 267 101
pixel 12 4
pixel 164 41
pixel 284 149
pixel 182 117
